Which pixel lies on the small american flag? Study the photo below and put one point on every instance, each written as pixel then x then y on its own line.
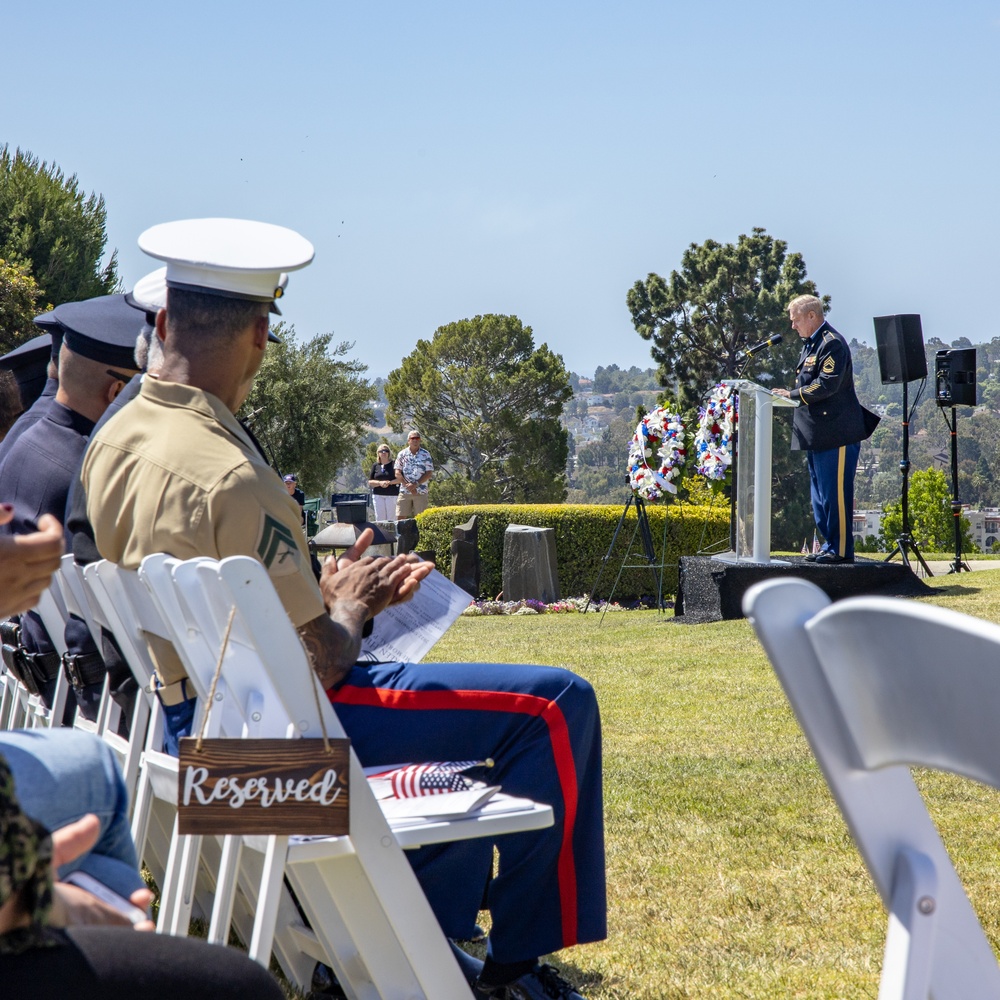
pixel 434 778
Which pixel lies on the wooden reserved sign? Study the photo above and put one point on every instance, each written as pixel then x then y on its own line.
pixel 283 787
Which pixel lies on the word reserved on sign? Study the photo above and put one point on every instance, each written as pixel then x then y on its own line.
pixel 283 787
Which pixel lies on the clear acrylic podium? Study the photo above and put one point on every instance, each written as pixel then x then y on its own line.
pixel 753 471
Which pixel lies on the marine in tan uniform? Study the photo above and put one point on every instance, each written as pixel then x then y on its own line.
pixel 174 472
pixel 158 494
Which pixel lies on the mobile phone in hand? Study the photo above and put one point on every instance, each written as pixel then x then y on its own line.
pixel 90 884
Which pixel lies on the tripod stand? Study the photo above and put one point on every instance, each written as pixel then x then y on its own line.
pixel 643 529
pixel 956 505
pixel 905 540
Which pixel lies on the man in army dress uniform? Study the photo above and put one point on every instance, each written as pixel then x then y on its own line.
pixel 829 424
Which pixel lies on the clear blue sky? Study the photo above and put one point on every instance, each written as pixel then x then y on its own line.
pixel 535 158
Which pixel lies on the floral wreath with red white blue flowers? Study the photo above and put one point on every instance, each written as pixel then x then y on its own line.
pixel 656 455
pixel 713 442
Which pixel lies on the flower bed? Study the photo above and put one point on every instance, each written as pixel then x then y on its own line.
pixel 569 605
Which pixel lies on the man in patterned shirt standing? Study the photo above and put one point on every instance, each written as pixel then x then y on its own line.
pixel 414 468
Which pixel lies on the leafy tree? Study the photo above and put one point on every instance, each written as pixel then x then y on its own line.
pixel 598 484
pixel 313 406
pixel 49 226
pixel 18 305
pixel 932 524
pixel 615 379
pixel 724 298
pixel 488 404
pixel 868 544
pixel 885 487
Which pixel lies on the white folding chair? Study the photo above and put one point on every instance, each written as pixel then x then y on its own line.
pixel 32 711
pixel 153 828
pixel 8 695
pixel 78 602
pixel 99 597
pixel 17 711
pixel 187 869
pixel 366 908
pixel 154 785
pixel 878 685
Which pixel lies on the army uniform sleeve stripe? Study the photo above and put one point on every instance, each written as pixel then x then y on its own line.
pixel 841 503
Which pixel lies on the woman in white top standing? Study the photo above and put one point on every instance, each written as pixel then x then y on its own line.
pixel 385 489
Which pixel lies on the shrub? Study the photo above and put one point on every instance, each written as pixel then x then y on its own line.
pixel 583 534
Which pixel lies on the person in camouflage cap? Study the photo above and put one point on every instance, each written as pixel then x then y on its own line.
pixel 25 874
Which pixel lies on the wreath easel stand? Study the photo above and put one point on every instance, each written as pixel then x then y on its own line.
pixel 642 529
pixel 660 436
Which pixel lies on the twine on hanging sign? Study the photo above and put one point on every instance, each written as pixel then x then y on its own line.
pixel 215 678
pixel 315 691
pixel 263 786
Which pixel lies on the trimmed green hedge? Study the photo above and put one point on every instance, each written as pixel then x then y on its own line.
pixel 583 534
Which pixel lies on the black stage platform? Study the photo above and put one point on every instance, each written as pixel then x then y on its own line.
pixel 712 589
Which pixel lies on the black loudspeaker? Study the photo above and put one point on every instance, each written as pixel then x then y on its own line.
pixel 900 342
pixel 955 377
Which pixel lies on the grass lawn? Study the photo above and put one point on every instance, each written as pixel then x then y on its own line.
pixel 730 872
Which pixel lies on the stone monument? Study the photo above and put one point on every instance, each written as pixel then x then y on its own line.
pixel 529 564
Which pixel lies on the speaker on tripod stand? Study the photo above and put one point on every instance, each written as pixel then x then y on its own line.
pixel 955 385
pixel 901 360
pixel 900 343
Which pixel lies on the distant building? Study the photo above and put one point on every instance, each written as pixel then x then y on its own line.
pixel 866 522
pixel 985 525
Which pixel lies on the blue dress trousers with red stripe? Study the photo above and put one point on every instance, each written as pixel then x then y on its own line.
pixel 541 727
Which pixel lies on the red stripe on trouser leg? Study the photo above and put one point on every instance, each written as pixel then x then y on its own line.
pixel 501 701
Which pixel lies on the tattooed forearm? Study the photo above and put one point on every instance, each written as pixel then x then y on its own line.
pixel 333 641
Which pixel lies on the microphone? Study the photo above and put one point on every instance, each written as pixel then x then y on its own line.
pixel 775 338
pixel 248 420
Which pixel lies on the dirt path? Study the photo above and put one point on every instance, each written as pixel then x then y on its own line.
pixel 941 568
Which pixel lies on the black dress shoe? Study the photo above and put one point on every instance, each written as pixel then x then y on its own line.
pixel 813 556
pixel 830 559
pixel 542 983
pixel 324 985
pixel 470 965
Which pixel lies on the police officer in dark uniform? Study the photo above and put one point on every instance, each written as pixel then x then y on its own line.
pixel 36 403
pixel 29 365
pixel 829 424
pixel 96 361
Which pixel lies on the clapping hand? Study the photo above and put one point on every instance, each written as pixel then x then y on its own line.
pixel 28 561
pixel 375 581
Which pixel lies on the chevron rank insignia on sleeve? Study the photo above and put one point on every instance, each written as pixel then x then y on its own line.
pixel 276 547
pixel 829 366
